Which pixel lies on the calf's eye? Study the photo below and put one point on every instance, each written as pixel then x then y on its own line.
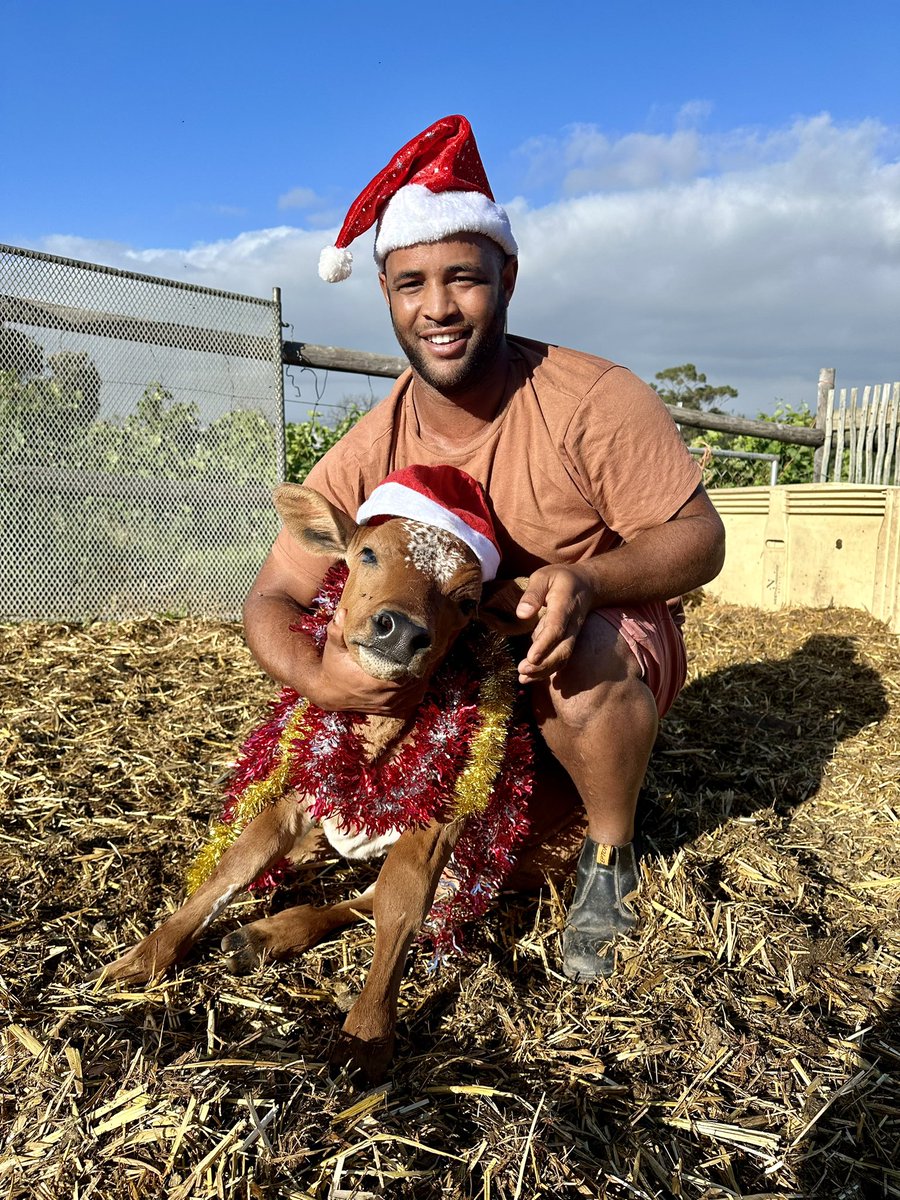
pixel 467 607
pixel 368 557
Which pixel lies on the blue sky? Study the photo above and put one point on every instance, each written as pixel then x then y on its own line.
pixel 222 143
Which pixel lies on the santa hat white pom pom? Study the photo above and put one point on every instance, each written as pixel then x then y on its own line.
pixel 335 264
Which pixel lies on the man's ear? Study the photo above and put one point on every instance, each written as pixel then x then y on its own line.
pixel 314 522
pixel 508 276
pixel 497 610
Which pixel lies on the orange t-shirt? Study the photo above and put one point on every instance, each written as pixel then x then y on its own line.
pixel 580 457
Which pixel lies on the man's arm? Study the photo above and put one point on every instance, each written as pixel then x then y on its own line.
pixel 332 680
pixel 668 560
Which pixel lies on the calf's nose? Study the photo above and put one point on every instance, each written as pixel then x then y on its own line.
pixel 395 635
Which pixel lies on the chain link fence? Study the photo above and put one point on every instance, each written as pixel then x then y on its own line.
pixel 736 468
pixel 141 432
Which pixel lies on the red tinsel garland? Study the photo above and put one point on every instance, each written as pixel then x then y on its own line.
pixel 414 786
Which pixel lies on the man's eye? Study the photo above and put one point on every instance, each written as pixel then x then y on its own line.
pixel 368 557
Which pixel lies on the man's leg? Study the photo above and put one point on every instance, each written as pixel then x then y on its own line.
pixel 600 720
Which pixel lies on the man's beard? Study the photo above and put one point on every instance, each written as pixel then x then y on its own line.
pixel 482 350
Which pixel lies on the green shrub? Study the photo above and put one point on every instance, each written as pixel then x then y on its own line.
pixel 796 465
pixel 306 441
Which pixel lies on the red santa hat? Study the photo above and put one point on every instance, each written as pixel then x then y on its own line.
pixel 434 187
pixel 442 496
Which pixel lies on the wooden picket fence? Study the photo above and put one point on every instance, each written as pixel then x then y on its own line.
pixel 861 428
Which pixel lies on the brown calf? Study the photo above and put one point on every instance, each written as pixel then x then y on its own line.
pixel 410 590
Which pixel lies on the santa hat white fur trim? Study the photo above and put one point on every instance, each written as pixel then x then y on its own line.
pixel 417 214
pixel 395 500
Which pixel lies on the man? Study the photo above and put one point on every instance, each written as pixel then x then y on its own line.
pixel 593 494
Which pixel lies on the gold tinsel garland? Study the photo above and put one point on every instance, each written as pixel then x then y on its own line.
pixel 496 696
pixel 472 791
pixel 256 797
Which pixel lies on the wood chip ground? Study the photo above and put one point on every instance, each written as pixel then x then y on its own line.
pixel 748 1046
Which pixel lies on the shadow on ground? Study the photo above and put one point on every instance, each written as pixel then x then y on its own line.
pixel 754 736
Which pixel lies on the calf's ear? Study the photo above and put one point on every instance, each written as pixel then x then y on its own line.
pixel 314 521
pixel 497 610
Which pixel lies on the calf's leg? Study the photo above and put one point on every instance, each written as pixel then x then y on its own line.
pixel 290 932
pixel 404 891
pixel 265 840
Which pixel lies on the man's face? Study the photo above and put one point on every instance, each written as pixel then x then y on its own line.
pixel 448 306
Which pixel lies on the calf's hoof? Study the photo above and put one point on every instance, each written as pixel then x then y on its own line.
pixel 246 949
pixel 286 934
pixel 356 1055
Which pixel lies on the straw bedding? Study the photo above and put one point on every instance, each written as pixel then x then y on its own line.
pixel 748 1046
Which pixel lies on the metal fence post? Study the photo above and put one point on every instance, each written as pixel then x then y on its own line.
pixel 280 447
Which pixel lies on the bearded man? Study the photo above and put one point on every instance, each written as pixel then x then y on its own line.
pixel 594 498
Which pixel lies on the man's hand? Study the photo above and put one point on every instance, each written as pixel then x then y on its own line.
pixel 666 560
pixel 569 596
pixel 341 685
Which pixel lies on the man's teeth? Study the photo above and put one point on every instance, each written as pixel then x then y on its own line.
pixel 443 339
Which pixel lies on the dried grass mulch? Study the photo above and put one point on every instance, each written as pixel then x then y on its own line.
pixel 748 1047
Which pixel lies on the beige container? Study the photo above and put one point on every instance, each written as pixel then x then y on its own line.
pixel 812 545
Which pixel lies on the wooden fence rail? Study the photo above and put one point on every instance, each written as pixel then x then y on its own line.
pixel 336 358
pixel 855 437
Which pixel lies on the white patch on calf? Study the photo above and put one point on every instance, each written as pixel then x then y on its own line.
pixel 432 551
pixel 217 906
pixel 358 846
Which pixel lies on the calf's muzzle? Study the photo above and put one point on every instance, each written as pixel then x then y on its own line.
pixel 394 635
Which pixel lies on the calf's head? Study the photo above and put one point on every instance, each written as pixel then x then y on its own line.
pixel 411 586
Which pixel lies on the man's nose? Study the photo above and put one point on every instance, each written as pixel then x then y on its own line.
pixel 438 303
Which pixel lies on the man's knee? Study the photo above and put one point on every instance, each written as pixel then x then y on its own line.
pixel 602 680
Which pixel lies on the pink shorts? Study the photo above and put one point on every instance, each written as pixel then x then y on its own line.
pixel 653 634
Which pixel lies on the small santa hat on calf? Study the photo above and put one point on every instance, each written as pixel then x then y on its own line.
pixel 441 496
pixel 434 187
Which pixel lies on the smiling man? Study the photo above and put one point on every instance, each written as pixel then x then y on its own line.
pixel 594 499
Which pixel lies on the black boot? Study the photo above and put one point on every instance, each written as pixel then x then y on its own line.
pixel 607 879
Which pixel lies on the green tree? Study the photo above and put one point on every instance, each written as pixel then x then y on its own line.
pixel 239 445
pixel 688 387
pixel 74 375
pixel 158 440
pixel 20 354
pixel 43 416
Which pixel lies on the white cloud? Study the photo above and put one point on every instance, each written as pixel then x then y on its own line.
pixel 299 197
pixel 759 256
pixel 693 112
pixel 587 160
pixel 325 219
pixel 782 258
